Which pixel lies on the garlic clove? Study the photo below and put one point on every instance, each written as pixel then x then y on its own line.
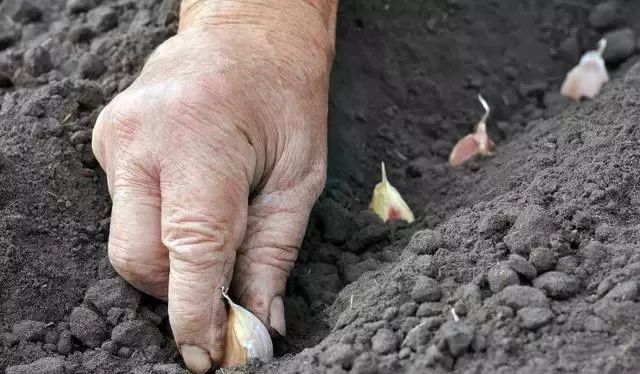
pixel 387 202
pixel 247 338
pixel 587 78
pixel 476 143
pixel 465 149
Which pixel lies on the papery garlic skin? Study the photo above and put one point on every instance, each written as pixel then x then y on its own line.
pixel 247 337
pixel 587 78
pixel 387 202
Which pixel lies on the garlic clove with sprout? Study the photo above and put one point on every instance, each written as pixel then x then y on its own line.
pixel 247 337
pixel 587 78
pixel 387 202
pixel 476 143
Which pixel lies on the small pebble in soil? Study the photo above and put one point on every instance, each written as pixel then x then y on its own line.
pixel 429 309
pixel 124 352
pixel 150 316
pixel 557 285
pixel 384 341
pixel 457 335
pixel 604 15
pixel 493 223
pixel 81 34
pixel 404 353
pixel 51 337
pixel 114 292
pixel 621 44
pixel 29 330
pixel 521 266
pixel 21 11
pixel 64 344
pixel 425 242
pixel 45 365
pixel 567 264
pixel 87 326
pixel 593 255
pixel 110 347
pixel 532 229
pixel 460 308
pixel 518 297
pixel 102 19
pixel 390 313
pixel 37 61
pixel 533 318
pixel 500 276
pixel 408 309
pixel 338 355
pixel 543 259
pixel 366 363
pixel 469 294
pixel 425 289
pixel 137 334
pixel 90 66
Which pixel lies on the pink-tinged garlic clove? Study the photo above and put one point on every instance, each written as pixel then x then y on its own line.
pixel 587 78
pixel 387 202
pixel 476 143
pixel 465 149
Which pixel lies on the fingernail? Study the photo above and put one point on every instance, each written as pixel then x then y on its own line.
pixel 276 316
pixel 196 359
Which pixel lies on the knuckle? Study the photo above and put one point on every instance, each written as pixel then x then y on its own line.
pixel 117 119
pixel 197 241
pixel 127 262
pixel 195 319
pixel 281 257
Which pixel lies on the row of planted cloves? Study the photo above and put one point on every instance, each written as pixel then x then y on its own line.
pixel 584 80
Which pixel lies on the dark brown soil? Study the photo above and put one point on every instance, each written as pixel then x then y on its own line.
pixel 535 249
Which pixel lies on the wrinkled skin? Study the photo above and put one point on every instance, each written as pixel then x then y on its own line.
pixel 214 158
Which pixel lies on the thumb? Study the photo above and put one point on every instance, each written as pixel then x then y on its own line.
pixel 204 215
pixel 276 225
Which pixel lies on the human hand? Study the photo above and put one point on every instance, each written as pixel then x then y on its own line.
pixel 214 157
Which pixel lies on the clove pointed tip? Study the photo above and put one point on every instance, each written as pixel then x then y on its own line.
pixel 487 109
pixel 384 172
pixel 602 45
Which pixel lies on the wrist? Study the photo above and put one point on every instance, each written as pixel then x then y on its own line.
pixel 311 19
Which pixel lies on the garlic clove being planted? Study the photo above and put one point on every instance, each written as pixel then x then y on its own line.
pixel 387 203
pixel 588 77
pixel 247 338
pixel 476 143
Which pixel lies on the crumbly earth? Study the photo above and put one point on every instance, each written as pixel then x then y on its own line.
pixel 526 262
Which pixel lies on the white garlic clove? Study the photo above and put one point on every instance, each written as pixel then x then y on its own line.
pixel 247 337
pixel 476 143
pixel 387 202
pixel 587 78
